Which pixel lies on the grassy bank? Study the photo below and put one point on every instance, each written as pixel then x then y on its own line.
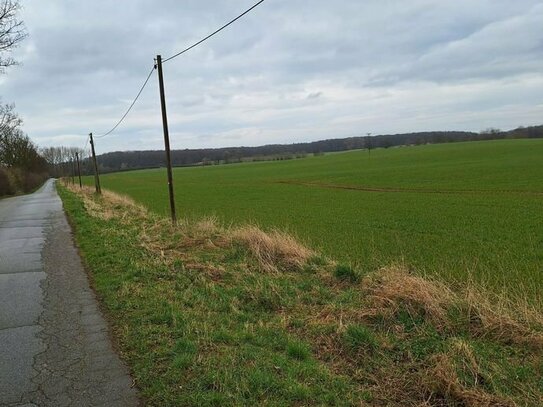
pixel 462 211
pixel 207 315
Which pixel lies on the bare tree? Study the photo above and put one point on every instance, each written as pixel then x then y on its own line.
pixel 18 151
pixel 10 124
pixel 9 120
pixel 12 31
pixel 59 159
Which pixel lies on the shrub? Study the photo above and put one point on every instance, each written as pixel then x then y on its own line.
pixel 32 180
pixel 16 180
pixel 6 187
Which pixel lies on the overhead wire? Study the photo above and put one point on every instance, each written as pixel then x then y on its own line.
pixel 169 59
pixel 130 107
pixel 213 33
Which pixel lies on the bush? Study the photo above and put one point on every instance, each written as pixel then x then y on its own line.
pixel 15 180
pixel 32 181
pixel 6 187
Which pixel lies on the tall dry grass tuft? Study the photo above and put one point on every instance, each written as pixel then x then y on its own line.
pixel 394 288
pixel 120 202
pixel 442 380
pixel 109 205
pixel 502 319
pixel 273 250
pixel 207 231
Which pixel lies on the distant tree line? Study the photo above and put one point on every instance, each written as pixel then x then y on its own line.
pixel 128 160
pixel 22 168
pixel 62 161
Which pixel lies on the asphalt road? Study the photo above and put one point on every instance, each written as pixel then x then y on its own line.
pixel 54 343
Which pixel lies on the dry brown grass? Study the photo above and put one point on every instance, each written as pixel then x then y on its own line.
pixel 499 318
pixel 393 288
pixel 206 232
pixel 273 250
pixel 443 381
pixel 486 315
pixel 109 205
pixel 206 227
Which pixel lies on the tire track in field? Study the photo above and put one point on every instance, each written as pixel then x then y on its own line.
pixel 408 190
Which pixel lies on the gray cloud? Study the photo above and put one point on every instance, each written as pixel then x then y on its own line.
pixel 290 71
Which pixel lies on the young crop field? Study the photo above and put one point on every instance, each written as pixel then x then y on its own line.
pixel 462 211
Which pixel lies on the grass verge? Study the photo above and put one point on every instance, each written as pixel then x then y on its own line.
pixel 207 315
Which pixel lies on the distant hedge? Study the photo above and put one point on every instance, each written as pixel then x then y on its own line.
pixel 16 181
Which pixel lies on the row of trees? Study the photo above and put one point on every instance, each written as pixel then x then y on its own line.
pixel 125 160
pixel 22 168
pixel 61 161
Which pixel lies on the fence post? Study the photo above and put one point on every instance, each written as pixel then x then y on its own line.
pixel 166 137
pixel 96 175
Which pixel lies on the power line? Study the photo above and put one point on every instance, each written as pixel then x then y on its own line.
pixel 131 106
pixel 213 33
pixel 168 59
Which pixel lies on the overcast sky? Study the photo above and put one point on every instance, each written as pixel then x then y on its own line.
pixel 292 70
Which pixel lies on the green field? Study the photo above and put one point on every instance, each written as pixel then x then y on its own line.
pixel 461 211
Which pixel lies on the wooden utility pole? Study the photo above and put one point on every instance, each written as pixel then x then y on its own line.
pixel 72 170
pixel 96 176
pixel 166 137
pixel 78 169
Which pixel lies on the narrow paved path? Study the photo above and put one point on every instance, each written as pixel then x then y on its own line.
pixel 54 344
